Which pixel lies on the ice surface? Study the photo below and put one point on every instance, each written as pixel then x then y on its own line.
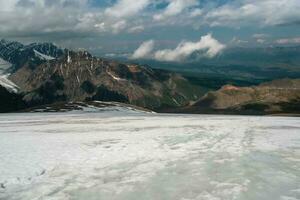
pixel 121 155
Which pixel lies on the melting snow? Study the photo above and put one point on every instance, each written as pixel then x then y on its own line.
pixel 69 60
pixel 42 56
pixel 122 155
pixel 9 85
pixel 4 81
pixel 114 77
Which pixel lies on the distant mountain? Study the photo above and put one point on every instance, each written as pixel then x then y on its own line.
pixel 275 97
pixel 46 74
pixel 266 57
pixel 32 55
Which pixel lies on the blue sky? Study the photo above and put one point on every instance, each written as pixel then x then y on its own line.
pixel 122 26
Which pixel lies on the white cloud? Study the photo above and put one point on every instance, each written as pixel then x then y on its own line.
pixel 65 18
pixel 196 12
pixel 260 35
pixel 7 5
pixel 185 49
pixel 56 20
pixel 236 41
pixel 100 26
pixel 174 8
pixel 136 29
pixel 288 40
pixel 24 18
pixel 260 38
pixel 144 51
pixel 261 41
pixel 208 44
pixel 119 26
pixel 125 8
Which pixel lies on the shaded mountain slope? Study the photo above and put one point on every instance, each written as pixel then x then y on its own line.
pixel 10 101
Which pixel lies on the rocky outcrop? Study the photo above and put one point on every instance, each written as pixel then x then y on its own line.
pixel 279 96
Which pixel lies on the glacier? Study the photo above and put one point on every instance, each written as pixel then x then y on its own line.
pixel 116 155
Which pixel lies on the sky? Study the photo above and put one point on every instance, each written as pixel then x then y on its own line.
pixel 159 29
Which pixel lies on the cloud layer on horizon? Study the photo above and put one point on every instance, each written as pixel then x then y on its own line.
pixel 207 45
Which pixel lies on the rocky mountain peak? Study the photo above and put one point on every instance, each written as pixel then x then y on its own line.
pixel 32 54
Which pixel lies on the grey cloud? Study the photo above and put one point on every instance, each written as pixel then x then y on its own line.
pixel 254 12
pixel 25 3
pixel 288 41
pixel 62 19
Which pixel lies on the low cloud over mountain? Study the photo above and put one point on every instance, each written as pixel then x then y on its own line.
pixel 209 46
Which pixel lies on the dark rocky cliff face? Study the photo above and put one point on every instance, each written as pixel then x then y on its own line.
pixel 10 101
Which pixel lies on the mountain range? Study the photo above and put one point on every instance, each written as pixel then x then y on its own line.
pixel 46 74
pixel 43 74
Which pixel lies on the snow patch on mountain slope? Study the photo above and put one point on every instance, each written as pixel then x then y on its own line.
pixel 4 81
pixel 9 85
pixel 43 56
pixel 4 65
pixel 148 156
pixel 115 77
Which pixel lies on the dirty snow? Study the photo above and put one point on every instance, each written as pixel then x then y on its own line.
pixel 110 155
